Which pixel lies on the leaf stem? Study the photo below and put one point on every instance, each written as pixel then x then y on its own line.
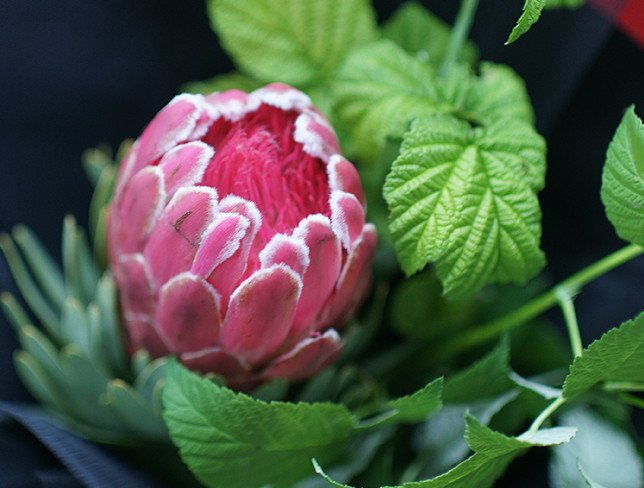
pixel 623 386
pixel 564 297
pixel 547 412
pixel 485 332
pixel 459 35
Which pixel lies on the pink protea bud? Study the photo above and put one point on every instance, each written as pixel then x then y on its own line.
pixel 237 236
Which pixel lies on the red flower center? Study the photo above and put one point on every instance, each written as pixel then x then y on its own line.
pixel 258 159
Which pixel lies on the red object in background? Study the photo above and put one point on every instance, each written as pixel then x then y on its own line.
pixel 631 21
pixel 628 15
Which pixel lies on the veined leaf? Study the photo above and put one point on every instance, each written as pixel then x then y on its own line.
pixel 617 356
pixel 462 197
pixel 380 88
pixel 231 439
pixel 295 41
pixel 493 451
pixel 600 455
pixel 531 13
pixel 424 35
pixel 623 179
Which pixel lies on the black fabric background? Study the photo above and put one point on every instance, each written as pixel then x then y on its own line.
pixel 74 74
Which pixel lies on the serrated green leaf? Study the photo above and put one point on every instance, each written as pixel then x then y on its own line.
pixel 493 451
pixel 379 89
pixel 424 35
pixel 415 407
pixel 617 356
pixel 230 439
pixel 461 197
pixel 228 81
pixel 623 179
pixel 558 4
pixel 498 93
pixel 295 41
pixel 600 455
pixel 531 13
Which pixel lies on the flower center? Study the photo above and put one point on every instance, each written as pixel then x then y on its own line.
pixel 257 158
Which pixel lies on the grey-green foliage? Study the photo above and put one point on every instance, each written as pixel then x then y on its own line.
pixel 77 365
pixel 623 179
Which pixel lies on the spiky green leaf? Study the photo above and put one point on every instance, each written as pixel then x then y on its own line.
pixel 531 13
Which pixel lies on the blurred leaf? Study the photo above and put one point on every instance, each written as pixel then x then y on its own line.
pixel 421 33
pixel 569 4
pixel 298 42
pixel 623 179
pixel 600 455
pixel 231 439
pixel 228 81
pixel 617 356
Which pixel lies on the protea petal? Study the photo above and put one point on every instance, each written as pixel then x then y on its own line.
pixel 135 284
pixel 280 96
pixel 316 135
pixel 322 273
pixel 142 202
pixel 307 357
pixel 344 176
pixel 177 234
pixel 220 241
pixel 347 217
pixel 143 335
pixel 172 125
pixel 260 314
pixel 187 314
pixel 231 104
pixel 185 164
pixel 215 360
pixel 353 280
pixel 287 250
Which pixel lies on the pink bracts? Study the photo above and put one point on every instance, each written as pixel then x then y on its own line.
pixel 237 236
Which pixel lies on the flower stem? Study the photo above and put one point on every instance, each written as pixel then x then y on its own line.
pixel 460 31
pixel 564 297
pixel 483 333
pixel 547 412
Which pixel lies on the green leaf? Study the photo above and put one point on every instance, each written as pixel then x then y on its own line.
pixel 462 197
pixel 531 13
pixel 228 81
pixel 600 455
pixel 295 41
pixel 424 35
pixel 379 89
pixel 623 179
pixel 569 4
pixel 617 356
pixel 493 451
pixel 231 439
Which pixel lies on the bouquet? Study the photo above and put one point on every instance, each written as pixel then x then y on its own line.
pixel 323 269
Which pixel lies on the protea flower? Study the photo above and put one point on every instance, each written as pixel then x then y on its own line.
pixel 237 236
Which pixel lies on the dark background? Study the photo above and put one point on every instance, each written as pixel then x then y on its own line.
pixel 74 74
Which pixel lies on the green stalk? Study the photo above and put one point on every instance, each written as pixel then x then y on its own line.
pixel 483 333
pixel 568 308
pixel 547 412
pixel 460 32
